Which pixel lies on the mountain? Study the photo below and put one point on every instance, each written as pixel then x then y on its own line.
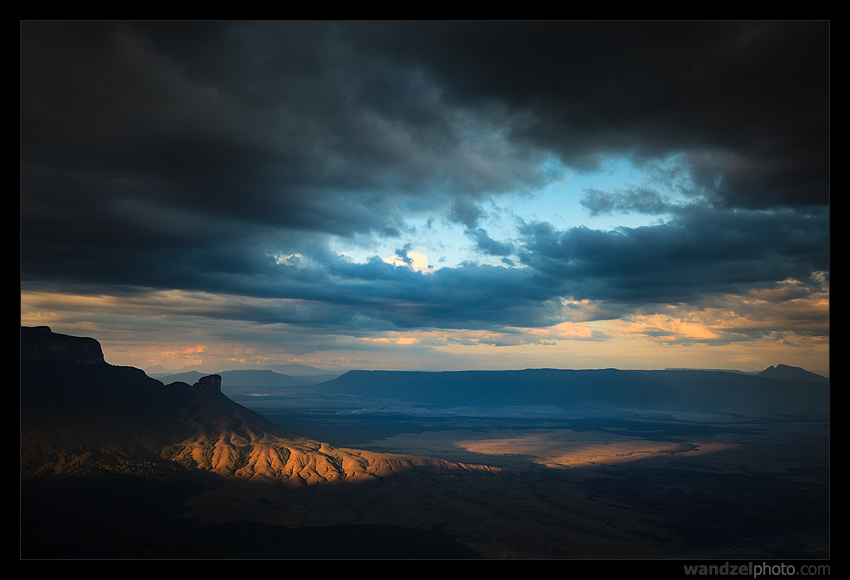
pixel 299 370
pixel 711 370
pixel 290 369
pixel 582 390
pixel 110 455
pixel 787 373
pixel 39 344
pixel 196 426
pixel 230 440
pixel 238 379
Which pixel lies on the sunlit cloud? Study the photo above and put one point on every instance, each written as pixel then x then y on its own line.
pixel 413 260
pixel 789 311
pixel 156 328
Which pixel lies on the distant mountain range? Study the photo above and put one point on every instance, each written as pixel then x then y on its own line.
pixel 290 369
pixel 588 390
pixel 678 388
pixel 250 378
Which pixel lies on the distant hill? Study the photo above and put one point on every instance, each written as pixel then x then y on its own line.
pixel 712 370
pixel 298 370
pixel 235 381
pixel 291 370
pixel 585 390
pixel 787 373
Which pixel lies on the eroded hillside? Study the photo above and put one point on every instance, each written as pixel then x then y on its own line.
pixel 231 440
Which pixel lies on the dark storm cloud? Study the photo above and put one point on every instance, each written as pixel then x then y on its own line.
pixel 686 260
pixel 283 124
pixel 467 296
pixel 699 252
pixel 750 97
pixel 193 155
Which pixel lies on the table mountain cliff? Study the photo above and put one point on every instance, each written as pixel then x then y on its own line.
pixel 40 344
pixel 68 388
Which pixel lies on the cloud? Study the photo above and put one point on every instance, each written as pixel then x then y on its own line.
pixel 487 245
pixel 695 254
pixel 224 169
pixel 320 137
pixel 792 312
pixel 624 200
pixel 466 212
pixel 413 260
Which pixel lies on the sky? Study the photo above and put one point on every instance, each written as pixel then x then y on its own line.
pixel 428 196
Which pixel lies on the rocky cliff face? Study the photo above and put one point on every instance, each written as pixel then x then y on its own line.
pixel 40 344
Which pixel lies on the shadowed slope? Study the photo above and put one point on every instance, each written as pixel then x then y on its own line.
pixel 197 426
pixel 98 479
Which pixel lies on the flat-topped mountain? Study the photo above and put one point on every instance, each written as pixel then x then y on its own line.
pixel 196 426
pixel 39 344
pixel 583 390
pixel 109 455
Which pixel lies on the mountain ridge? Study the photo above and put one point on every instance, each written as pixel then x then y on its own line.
pixel 115 464
pixel 219 435
pixel 288 369
pixel 584 389
pixel 39 343
pixel 264 378
pixel 789 373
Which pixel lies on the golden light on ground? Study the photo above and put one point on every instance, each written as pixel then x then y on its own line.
pixel 567 448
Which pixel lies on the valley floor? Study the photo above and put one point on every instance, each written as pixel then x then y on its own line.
pixel 744 484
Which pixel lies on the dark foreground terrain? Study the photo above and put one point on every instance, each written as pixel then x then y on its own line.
pixel 117 465
pixel 746 483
